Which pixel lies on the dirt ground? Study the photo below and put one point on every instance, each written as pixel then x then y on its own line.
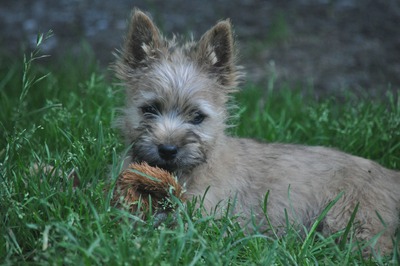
pixel 330 45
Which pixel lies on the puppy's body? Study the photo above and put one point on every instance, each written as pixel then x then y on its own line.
pixel 302 180
pixel 175 118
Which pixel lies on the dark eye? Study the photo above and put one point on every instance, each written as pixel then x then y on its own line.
pixel 198 117
pixel 149 110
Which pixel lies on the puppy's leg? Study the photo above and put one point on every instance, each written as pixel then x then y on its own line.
pixel 368 224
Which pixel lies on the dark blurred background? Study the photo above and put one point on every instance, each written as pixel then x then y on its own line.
pixel 331 46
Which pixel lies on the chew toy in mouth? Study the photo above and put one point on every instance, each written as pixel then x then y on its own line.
pixel 142 181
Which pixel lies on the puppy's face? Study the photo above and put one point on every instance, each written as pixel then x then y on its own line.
pixel 175 94
pixel 175 117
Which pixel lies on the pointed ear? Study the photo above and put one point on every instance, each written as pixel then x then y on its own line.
pixel 142 40
pixel 217 52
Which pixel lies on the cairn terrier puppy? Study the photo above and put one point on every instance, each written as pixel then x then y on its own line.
pixel 175 118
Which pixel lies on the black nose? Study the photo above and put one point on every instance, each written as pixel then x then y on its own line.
pixel 167 151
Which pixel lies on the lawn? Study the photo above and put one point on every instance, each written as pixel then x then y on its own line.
pixel 61 114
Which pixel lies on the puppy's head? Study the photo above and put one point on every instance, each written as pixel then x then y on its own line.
pixel 176 94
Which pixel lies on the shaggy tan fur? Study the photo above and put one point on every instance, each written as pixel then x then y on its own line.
pixel 175 118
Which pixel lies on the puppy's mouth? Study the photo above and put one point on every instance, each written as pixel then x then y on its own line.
pixel 166 165
pixel 168 158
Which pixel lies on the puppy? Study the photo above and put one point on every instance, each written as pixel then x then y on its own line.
pixel 175 118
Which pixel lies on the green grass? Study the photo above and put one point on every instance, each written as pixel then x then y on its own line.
pixel 64 120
